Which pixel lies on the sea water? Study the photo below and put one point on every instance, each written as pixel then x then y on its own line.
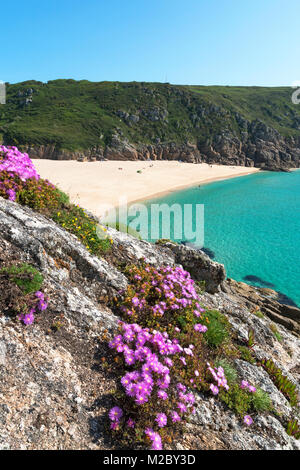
pixel 252 226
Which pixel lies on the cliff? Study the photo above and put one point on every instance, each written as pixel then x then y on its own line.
pixel 65 119
pixel 55 391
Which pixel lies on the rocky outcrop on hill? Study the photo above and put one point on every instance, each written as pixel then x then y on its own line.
pixel 54 395
pixel 258 146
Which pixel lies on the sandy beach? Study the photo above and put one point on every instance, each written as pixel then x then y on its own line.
pixel 91 184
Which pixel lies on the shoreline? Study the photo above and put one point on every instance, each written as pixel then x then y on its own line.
pixel 187 186
pixel 102 183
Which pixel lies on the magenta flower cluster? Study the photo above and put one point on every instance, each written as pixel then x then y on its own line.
pixel 174 288
pixel 15 163
pixel 219 377
pixel 40 304
pixel 245 384
pixel 150 353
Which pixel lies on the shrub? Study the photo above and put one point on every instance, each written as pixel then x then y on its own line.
pixel 19 292
pixel 230 372
pixel 39 195
pixel 261 400
pixel 26 277
pixel 76 221
pixel 218 331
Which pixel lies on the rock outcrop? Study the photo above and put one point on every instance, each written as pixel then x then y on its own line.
pixel 259 146
pixel 54 395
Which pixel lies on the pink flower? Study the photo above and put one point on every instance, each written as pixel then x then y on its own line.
pixel 214 389
pixel 161 419
pixel 244 384
pixel 248 420
pixel 115 414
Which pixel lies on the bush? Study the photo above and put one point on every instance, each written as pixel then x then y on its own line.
pixel 19 292
pixel 261 401
pixel 237 399
pixel 27 278
pixel 218 331
pixel 230 372
pixel 76 221
pixel 39 195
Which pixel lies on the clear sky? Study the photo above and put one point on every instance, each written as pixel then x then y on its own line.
pixel 207 42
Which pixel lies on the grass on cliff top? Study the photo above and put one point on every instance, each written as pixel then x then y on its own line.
pixel 77 115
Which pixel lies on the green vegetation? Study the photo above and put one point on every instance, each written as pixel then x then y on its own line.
pixel 275 332
pixel 74 219
pixel 218 331
pixel 27 278
pixel 283 384
pixel 261 401
pixel 78 115
pixel 293 428
pixel 259 314
pixel 230 372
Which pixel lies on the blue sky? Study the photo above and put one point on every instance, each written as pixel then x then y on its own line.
pixel 207 42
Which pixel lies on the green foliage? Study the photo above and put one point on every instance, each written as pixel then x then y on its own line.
pixel 237 399
pixel 293 428
pixel 251 338
pixel 39 195
pixel 201 285
pixel 259 314
pixel 218 328
pixel 26 277
pixel 76 221
pixel 246 354
pixel 276 333
pixel 78 115
pixel 229 370
pixel 63 197
pixel 282 382
pixel 261 400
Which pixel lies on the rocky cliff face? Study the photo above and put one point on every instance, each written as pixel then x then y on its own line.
pixel 259 146
pixel 53 392
pixel 277 154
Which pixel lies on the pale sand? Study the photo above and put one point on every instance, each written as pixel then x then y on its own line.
pixel 91 184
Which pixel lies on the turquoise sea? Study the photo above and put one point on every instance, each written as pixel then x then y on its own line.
pixel 252 226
